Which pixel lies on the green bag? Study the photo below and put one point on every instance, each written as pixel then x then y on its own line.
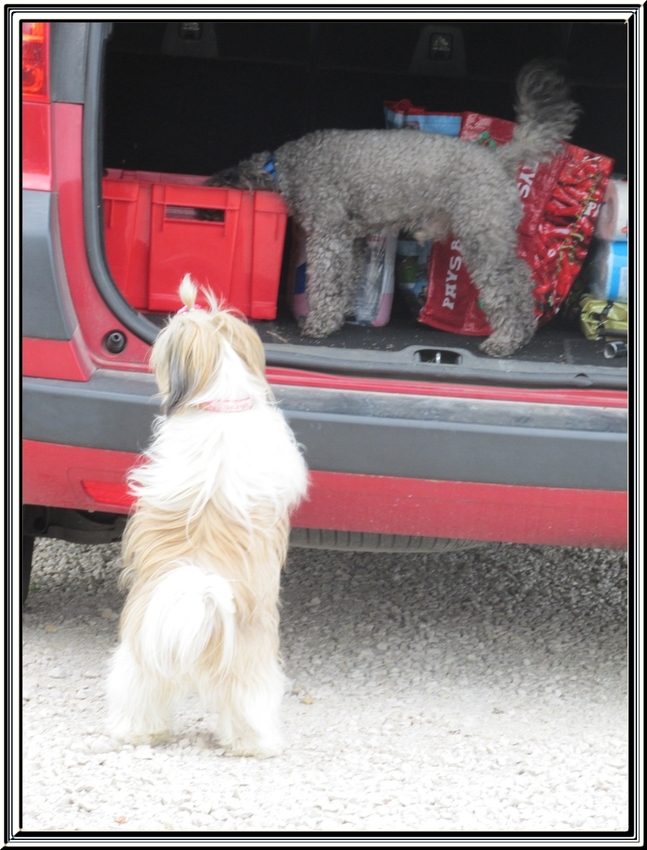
pixel 603 319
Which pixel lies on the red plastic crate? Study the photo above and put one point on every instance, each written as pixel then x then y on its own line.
pixel 158 177
pixel 270 220
pixel 238 255
pixel 127 222
pixel 127 226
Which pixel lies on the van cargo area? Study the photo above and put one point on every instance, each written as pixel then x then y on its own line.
pixel 192 98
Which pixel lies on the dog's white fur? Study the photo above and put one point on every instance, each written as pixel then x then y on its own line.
pixel 204 549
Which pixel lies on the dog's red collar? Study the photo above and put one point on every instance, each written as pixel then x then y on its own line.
pixel 226 405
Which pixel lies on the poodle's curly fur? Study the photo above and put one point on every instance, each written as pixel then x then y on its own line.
pixel 342 185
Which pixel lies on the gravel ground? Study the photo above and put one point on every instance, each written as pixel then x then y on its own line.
pixel 473 691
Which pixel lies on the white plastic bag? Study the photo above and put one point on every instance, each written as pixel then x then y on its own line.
pixel 375 290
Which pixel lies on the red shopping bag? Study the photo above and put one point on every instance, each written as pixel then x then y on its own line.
pixel 561 200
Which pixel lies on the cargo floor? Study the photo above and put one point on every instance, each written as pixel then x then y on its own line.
pixel 552 344
pixel 555 343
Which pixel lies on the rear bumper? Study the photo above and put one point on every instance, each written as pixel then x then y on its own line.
pixel 371 433
pixel 386 463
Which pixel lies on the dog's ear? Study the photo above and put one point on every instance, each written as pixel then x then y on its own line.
pixel 248 174
pixel 228 178
pixel 248 346
pixel 185 358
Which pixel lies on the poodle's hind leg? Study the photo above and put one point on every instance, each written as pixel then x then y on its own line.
pixel 505 288
pixel 140 702
pixel 329 256
pixel 508 303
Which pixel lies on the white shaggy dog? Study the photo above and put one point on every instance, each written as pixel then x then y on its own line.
pixel 204 549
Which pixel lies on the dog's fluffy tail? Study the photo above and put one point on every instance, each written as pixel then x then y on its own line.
pixel 191 610
pixel 546 115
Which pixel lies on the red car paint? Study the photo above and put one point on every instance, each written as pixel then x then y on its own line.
pixel 36 150
pixel 92 479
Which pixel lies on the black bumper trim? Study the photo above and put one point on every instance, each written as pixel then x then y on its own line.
pixel 47 310
pixel 540 445
pixel 470 369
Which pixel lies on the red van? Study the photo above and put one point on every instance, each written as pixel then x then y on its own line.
pixel 415 440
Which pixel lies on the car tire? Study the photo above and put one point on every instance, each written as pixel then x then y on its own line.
pixel 26 559
pixel 357 541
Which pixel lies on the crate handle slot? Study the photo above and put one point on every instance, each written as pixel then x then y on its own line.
pixel 184 212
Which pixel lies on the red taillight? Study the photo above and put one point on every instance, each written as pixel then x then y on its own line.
pixel 111 493
pixel 35 61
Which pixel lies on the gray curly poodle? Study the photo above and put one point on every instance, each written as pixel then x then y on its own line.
pixel 342 185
